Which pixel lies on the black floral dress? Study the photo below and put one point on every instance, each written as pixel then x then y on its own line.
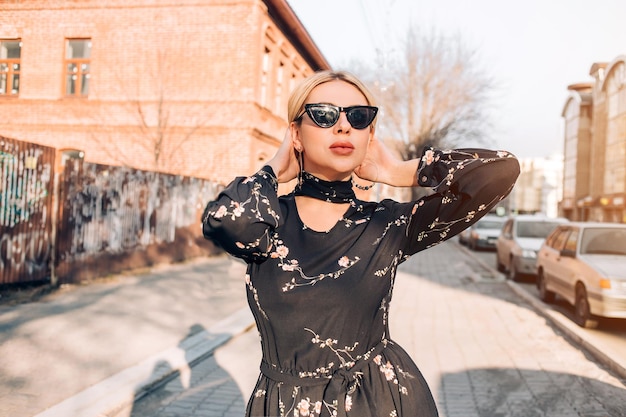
pixel 321 299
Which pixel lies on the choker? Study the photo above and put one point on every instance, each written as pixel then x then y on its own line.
pixel 331 191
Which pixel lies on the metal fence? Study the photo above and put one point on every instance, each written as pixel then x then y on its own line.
pixel 26 184
pixel 116 218
pixel 102 220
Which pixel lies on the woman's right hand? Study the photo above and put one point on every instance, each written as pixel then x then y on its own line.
pixel 284 162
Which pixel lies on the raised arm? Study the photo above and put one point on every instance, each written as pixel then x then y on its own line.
pixel 243 216
pixel 467 184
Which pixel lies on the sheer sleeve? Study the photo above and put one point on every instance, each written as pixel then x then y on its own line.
pixel 243 217
pixel 467 183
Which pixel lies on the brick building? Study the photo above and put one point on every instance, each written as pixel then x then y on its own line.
pixel 191 87
pixel 594 175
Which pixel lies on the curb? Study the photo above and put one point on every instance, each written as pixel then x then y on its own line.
pixel 121 390
pixel 569 329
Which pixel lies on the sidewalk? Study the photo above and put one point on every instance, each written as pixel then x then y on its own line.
pixel 88 351
pixel 483 349
pixel 82 350
pixel 609 355
pixel 487 351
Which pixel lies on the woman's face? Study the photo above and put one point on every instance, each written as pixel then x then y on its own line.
pixel 332 153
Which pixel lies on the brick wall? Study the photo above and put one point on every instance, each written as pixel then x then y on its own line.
pixel 187 75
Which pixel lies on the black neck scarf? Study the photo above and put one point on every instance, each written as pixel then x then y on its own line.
pixel 332 191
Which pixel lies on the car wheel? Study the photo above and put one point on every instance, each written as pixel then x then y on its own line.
pixel 582 311
pixel 544 293
pixel 499 265
pixel 512 274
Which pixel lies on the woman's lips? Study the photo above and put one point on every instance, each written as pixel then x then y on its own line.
pixel 342 148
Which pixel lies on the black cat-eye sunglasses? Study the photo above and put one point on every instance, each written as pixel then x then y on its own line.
pixel 326 115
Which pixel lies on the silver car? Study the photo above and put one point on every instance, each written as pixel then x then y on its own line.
pixel 585 264
pixel 518 243
pixel 484 233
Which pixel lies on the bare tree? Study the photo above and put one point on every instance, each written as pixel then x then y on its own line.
pixel 149 105
pixel 432 93
pixel 160 135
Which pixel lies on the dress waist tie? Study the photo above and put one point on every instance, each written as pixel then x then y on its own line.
pixel 341 383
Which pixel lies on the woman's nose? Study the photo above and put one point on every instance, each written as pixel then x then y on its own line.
pixel 342 125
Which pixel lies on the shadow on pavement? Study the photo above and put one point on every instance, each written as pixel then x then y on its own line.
pixel 64 343
pixel 502 392
pixel 203 389
pixel 448 265
pixel 445 264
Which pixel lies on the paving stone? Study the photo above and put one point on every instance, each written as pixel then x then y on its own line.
pixel 484 351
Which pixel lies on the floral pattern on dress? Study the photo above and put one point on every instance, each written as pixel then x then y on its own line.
pixel 399 222
pixel 389 371
pixel 358 265
pixel 291 265
pixel 307 407
pixel 255 295
pixel 344 355
pixel 257 206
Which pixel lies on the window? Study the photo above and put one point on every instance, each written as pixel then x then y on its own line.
pixel 615 152
pixel 10 52
pixel 572 241
pixel 265 69
pixel 77 67
pixel 558 239
pixel 535 229
pixel 279 88
pixel 551 239
pixel 604 241
pixel 508 229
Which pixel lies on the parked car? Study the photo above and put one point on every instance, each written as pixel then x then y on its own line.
pixel 585 264
pixel 484 233
pixel 518 243
pixel 464 236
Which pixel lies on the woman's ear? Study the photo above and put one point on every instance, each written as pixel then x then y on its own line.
pixel 372 134
pixel 294 129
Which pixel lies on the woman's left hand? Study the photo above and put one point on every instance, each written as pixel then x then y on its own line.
pixel 381 165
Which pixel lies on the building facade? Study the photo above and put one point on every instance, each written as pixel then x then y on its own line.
pixel 189 87
pixel 594 185
pixel 538 188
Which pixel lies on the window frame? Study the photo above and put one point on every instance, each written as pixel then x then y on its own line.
pixel 80 74
pixel 11 72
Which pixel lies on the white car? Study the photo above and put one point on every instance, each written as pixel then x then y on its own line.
pixel 484 233
pixel 518 243
pixel 585 264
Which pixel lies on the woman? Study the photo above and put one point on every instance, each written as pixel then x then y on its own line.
pixel 321 263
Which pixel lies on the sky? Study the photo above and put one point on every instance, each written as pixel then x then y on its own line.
pixel 533 49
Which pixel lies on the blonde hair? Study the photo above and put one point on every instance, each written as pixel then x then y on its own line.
pixel 297 99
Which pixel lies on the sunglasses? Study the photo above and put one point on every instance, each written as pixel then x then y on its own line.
pixel 326 115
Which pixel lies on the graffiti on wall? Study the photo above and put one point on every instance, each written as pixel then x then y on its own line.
pixel 117 209
pixel 26 173
pixel 101 213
